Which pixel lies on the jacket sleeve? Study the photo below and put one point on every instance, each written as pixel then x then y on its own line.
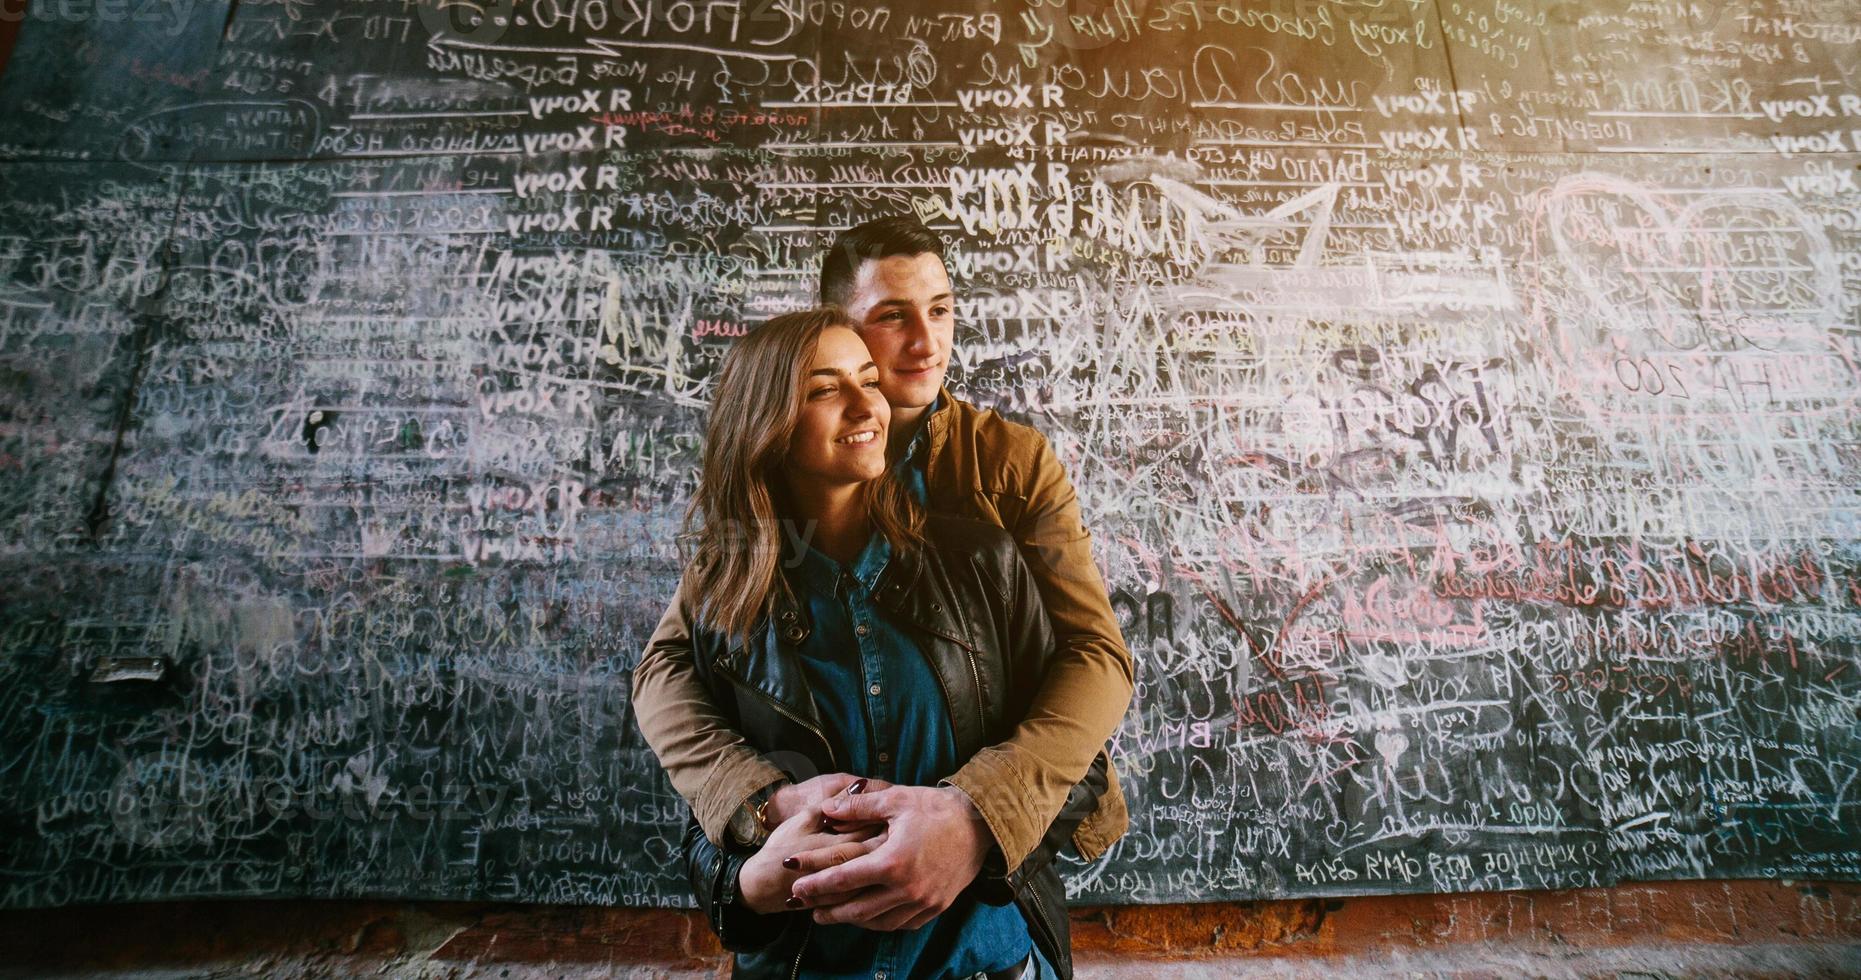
pixel 1022 785
pixel 710 764
pixel 713 873
pixel 1028 648
pixel 997 885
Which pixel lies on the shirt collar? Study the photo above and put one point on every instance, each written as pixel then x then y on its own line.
pixel 919 445
pixel 816 572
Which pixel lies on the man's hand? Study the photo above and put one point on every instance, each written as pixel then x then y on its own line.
pixel 933 846
pixel 792 798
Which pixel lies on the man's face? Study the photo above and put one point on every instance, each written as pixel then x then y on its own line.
pixel 906 314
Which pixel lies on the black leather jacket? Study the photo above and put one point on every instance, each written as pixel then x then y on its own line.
pixel 971 603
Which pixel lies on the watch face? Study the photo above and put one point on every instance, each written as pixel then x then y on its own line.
pixel 744 829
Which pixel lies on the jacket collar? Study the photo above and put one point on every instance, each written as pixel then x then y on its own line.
pixel 911 591
pixel 938 426
pixel 908 588
pixel 788 620
pixel 905 588
pixel 916 590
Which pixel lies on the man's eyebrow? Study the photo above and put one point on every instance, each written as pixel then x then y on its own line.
pixel 896 301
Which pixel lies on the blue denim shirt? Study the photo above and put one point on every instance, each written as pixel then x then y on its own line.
pixel 910 466
pixel 878 697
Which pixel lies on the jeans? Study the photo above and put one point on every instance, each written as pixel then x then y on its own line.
pixel 1039 968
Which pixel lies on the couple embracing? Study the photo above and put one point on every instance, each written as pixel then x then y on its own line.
pixel 888 679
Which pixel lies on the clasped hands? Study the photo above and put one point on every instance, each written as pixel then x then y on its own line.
pixel 865 852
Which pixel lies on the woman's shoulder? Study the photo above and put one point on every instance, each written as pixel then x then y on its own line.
pixel 963 533
pixel 961 538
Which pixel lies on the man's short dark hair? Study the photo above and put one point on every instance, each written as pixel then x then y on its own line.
pixel 898 234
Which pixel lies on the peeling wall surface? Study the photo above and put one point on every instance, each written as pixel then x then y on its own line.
pixel 1462 395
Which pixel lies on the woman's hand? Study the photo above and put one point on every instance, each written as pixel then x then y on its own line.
pixel 934 845
pixel 798 845
pixel 792 798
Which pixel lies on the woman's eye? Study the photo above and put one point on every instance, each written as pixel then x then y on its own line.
pixel 874 383
pixel 818 392
pixel 940 312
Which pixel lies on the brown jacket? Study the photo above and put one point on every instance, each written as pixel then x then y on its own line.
pixel 986 468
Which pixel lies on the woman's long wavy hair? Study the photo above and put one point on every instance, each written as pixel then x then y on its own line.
pixel 732 534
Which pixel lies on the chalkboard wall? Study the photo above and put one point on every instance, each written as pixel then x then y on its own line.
pixel 1462 394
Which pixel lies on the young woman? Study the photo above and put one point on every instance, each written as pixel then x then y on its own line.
pixel 839 629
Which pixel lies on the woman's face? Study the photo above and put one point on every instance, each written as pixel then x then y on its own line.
pixel 840 436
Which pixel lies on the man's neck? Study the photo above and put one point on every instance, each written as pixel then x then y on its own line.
pixel 905 425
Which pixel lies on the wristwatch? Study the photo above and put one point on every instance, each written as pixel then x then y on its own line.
pixel 747 827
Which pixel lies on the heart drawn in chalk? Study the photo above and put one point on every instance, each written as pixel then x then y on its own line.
pixel 1684 269
pixel 1391 745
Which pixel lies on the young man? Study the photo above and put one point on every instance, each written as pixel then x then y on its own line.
pixel 889 276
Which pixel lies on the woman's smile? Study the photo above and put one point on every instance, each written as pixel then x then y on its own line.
pixel 839 436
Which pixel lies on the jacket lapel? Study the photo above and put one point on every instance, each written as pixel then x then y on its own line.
pixel 775 668
pixel 948 473
pixel 922 598
pixel 917 592
pixel 952 474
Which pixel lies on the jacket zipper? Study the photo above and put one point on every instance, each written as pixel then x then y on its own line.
pixel 1034 893
pixel 783 709
pixel 802 947
pixel 792 974
pixel 975 677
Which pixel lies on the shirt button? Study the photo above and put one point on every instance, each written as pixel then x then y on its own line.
pixel 885 757
pixel 873 690
pixel 862 630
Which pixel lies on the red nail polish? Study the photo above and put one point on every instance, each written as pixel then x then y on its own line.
pixel 858 785
pixel 792 902
pixel 790 863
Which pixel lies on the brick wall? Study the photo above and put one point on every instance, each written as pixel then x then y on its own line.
pixel 1680 928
